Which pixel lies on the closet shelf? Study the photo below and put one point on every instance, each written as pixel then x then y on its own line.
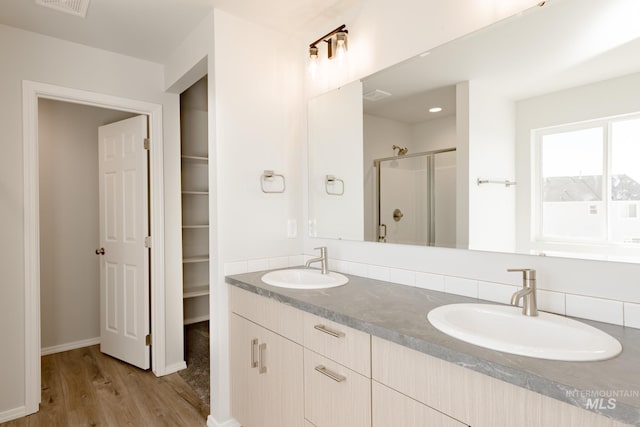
pixel 195 291
pixel 191 320
pixel 194 259
pixel 198 159
pixel 197 193
pixel 195 226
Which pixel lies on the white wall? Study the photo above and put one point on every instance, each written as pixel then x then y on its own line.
pixel 29 56
pixel 256 118
pixel 258 125
pixel 69 221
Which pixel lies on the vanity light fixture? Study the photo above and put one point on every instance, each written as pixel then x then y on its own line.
pixel 336 41
pixel 435 109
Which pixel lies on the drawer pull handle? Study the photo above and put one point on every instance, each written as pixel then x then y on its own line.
pixel 334 376
pixel 254 344
pixel 322 328
pixel 262 369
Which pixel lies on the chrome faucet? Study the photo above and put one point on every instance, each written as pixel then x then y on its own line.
pixel 322 259
pixel 527 293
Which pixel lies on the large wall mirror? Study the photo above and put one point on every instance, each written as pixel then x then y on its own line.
pixel 521 137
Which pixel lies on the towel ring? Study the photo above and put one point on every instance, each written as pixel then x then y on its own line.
pixel 269 175
pixel 331 180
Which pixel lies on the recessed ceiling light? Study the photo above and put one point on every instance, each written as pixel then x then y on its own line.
pixel 435 109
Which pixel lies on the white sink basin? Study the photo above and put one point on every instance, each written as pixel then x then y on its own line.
pixel 304 278
pixel 505 328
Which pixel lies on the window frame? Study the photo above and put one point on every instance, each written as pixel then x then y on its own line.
pixel 548 244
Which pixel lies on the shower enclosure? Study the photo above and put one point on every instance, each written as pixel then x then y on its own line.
pixel 416 198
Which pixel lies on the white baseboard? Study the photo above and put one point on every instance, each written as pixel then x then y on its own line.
pixel 14 413
pixel 69 346
pixel 211 422
pixel 174 368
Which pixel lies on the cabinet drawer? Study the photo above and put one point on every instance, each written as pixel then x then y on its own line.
pixel 334 395
pixel 280 318
pixel 347 346
pixel 391 408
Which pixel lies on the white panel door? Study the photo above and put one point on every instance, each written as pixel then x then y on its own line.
pixel 124 224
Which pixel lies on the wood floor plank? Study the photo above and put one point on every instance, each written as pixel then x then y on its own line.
pixel 52 411
pixel 146 396
pixel 84 387
pixel 113 393
pixel 181 388
pixel 81 405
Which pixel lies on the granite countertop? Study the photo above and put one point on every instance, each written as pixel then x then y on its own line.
pixel 398 313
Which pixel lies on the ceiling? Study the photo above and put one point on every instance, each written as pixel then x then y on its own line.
pixel 152 29
pixel 563 44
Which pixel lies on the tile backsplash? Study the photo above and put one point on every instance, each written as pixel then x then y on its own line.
pixel 599 309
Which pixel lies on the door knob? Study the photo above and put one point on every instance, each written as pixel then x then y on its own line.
pixel 100 251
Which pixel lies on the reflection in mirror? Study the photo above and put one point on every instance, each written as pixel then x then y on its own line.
pixel 510 98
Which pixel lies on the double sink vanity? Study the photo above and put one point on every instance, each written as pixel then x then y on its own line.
pixel 312 349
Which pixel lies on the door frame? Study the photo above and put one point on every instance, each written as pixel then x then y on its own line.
pixel 31 93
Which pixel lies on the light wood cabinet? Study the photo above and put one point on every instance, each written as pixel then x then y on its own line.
pixel 471 397
pixel 321 373
pixel 266 372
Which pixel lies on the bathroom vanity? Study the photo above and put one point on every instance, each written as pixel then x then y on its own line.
pixel 364 354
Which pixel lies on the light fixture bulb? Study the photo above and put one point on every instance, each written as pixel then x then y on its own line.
pixel 341 44
pixel 313 60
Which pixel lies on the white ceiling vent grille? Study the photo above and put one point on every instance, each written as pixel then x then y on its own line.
pixel 376 95
pixel 73 7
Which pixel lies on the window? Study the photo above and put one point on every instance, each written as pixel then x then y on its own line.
pixel 588 183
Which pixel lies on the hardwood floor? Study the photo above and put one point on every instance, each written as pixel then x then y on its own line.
pixel 84 387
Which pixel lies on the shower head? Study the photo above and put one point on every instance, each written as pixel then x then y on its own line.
pixel 401 150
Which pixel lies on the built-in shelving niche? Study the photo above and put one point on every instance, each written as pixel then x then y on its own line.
pixel 195 202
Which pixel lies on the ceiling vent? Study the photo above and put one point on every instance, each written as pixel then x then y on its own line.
pixel 376 95
pixel 73 7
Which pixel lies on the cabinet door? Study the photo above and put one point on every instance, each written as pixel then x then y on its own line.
pixel 282 384
pixel 391 408
pixel 266 377
pixel 246 404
